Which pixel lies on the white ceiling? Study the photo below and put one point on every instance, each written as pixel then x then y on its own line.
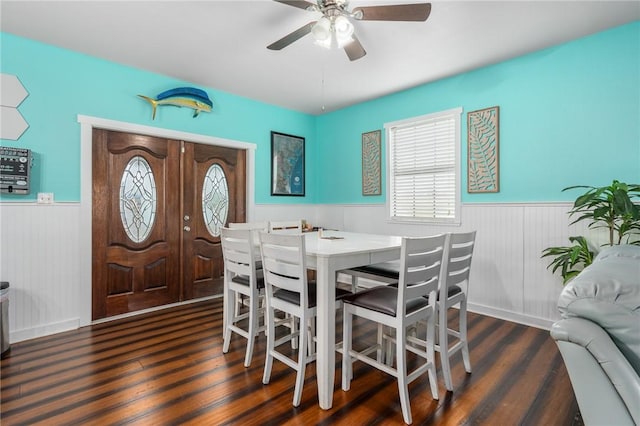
pixel 222 44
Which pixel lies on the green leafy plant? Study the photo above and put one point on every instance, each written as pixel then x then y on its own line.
pixel 570 260
pixel 611 207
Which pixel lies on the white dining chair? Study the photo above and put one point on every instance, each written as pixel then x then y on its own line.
pixel 289 227
pixel 242 277
pixel 288 290
pixel 253 226
pixel 261 226
pixel 454 290
pixel 396 309
pixel 286 226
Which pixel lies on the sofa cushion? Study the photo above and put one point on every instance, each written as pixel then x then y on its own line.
pixel 386 269
pixel 608 293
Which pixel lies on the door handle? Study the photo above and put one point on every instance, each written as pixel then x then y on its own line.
pixel 187 228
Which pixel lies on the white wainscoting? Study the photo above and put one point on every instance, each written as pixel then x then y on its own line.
pixel 41 256
pixel 509 279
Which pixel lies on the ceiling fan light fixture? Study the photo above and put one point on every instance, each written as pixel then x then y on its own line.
pixel 321 32
pixel 343 29
pixel 334 29
pixel 332 32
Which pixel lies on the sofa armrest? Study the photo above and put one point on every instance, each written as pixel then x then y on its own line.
pixel 607 292
pixel 619 372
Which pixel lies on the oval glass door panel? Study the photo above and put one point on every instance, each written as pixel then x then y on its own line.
pixel 138 199
pixel 215 199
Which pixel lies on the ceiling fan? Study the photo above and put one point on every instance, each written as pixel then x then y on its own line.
pixel 335 29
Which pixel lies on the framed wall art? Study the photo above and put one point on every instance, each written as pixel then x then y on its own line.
pixel 371 163
pixel 287 164
pixel 483 155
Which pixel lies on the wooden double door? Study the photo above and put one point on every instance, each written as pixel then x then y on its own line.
pixel 158 207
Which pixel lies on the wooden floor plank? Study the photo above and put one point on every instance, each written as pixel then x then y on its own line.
pixel 167 367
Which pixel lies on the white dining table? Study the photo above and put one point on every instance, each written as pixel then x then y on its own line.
pixel 328 254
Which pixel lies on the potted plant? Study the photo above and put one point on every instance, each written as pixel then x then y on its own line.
pixel 611 207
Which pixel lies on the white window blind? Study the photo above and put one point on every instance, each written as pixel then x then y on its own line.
pixel 423 167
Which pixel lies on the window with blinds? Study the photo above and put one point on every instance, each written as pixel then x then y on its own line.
pixel 423 168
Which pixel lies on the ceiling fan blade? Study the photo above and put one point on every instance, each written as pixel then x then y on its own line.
pixel 291 37
pixel 395 12
pixel 301 4
pixel 354 49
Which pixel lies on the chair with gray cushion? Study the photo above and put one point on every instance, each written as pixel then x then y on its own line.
pixel 257 227
pixel 242 277
pixel 289 227
pixel 288 290
pixel 397 309
pixel 453 292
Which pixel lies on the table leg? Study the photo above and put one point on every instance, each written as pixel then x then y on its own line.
pixel 326 331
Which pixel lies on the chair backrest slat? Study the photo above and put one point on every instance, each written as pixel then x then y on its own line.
pixel 420 263
pixel 286 227
pixel 259 226
pixel 256 227
pixel 238 252
pixel 284 263
pixel 459 254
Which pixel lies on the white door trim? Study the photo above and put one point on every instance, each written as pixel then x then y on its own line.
pixel 87 124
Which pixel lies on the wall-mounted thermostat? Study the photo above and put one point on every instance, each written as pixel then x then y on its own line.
pixel 15 170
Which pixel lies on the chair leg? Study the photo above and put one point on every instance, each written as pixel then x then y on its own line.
pixel 443 342
pixel 401 368
pixel 347 364
pixel 294 328
pixel 230 313
pixel 263 309
pixel 354 284
pixel 433 377
pixel 381 354
pixel 302 363
pixel 268 362
pixel 251 332
pixel 389 352
pixel 463 336
pixel 311 331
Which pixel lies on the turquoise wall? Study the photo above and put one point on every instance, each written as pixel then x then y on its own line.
pixel 63 84
pixel 568 115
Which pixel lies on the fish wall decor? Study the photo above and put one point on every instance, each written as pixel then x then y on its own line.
pixel 189 97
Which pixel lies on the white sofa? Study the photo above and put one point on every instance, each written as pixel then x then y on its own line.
pixel 599 337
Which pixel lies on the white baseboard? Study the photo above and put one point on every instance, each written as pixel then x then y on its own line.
pixel 155 308
pixel 44 330
pixel 517 317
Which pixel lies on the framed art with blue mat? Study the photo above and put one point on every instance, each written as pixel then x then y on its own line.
pixel 287 164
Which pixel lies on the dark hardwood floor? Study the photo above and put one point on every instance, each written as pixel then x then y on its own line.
pixel 167 367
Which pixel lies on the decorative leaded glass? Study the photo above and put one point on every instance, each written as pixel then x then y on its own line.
pixel 138 199
pixel 215 199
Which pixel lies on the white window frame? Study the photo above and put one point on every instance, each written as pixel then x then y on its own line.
pixel 390 129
